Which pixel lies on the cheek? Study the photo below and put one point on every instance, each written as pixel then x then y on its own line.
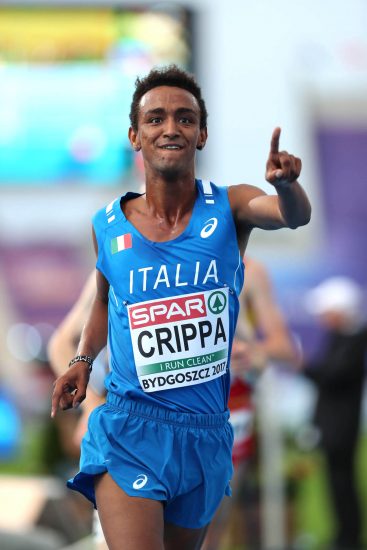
pixel 147 139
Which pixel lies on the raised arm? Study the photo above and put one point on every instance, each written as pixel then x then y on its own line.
pixel 290 207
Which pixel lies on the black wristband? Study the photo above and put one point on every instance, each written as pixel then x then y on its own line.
pixel 84 359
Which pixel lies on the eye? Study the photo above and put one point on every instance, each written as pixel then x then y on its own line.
pixel 155 120
pixel 186 120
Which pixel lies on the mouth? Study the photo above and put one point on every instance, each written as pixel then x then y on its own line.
pixel 171 147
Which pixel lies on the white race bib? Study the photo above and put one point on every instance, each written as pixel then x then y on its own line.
pixel 180 341
pixel 242 421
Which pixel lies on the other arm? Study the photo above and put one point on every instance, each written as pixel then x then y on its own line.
pixel 275 340
pixel 271 339
pixel 70 388
pixel 64 341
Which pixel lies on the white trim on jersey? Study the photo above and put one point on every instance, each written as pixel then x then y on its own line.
pixel 110 206
pixel 114 295
pixel 208 191
pixel 237 268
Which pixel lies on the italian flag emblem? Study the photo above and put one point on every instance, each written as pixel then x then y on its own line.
pixel 121 243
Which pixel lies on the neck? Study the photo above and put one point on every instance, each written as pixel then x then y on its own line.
pixel 170 199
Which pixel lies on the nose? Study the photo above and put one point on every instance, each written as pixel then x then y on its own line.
pixel 170 128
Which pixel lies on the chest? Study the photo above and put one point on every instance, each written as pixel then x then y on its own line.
pixel 158 229
pixel 203 256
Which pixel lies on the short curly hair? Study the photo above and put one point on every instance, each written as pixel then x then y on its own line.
pixel 166 76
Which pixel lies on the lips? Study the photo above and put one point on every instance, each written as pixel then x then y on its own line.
pixel 171 147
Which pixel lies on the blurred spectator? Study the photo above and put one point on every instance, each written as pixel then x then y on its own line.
pixel 338 373
pixel 10 425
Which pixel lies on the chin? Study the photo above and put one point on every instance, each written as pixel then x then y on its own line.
pixel 171 171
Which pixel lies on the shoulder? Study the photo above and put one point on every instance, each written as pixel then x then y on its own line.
pixel 107 214
pixel 240 194
pixel 210 190
pixel 214 196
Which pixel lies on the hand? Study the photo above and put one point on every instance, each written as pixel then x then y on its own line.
pixel 247 356
pixel 281 167
pixel 240 357
pixel 70 388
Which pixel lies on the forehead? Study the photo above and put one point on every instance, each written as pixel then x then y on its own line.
pixel 168 97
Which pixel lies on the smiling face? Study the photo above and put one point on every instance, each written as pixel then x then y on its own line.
pixel 168 132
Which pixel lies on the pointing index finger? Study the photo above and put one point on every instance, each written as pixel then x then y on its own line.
pixel 274 144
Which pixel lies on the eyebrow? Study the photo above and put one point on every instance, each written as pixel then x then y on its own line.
pixel 180 111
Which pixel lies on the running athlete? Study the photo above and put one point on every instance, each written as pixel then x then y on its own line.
pixel 156 460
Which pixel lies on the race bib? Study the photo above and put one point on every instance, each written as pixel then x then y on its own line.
pixel 180 341
pixel 242 421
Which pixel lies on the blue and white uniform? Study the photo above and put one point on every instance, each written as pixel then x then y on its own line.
pixel 172 311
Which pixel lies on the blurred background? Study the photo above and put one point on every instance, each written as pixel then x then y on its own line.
pixel 67 72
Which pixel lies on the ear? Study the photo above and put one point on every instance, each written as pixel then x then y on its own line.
pixel 134 139
pixel 203 136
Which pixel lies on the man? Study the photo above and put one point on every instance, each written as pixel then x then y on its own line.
pixel 261 336
pixel 156 460
pixel 338 372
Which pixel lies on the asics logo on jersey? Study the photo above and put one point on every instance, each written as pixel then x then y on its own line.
pixel 209 228
pixel 140 481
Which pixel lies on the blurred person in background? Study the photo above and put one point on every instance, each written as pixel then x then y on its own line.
pixel 261 337
pixel 338 371
pixel 173 227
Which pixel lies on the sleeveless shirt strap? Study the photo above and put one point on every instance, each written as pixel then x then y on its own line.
pixel 208 192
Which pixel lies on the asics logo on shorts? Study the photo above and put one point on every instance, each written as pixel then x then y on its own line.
pixel 140 481
pixel 209 228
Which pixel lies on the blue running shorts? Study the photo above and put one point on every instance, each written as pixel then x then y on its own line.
pixel 181 459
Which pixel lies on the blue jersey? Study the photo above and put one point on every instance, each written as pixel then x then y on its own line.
pixel 173 305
